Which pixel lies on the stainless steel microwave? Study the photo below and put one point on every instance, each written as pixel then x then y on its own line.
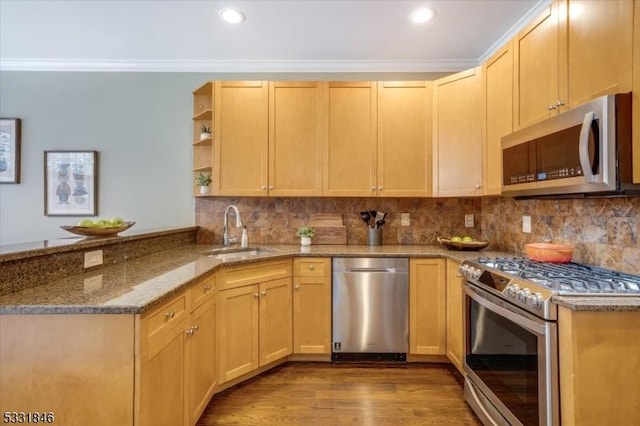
pixel 584 151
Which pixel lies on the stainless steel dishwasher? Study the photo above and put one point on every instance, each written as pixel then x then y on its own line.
pixel 370 309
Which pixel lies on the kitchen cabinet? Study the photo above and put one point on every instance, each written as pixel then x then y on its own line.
pixel 498 106
pixel 202 116
pixel 312 305
pixel 598 361
pixel 404 139
pixel 458 121
pixel 254 317
pixel 455 312
pixel 575 51
pixel 350 133
pixel 636 94
pixel 427 307
pixel 240 138
pixel 295 138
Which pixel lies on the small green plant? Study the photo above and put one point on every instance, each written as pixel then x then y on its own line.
pixel 203 180
pixel 306 231
pixel 205 129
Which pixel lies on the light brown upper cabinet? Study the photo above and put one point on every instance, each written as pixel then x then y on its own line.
pixel 457 134
pixel 498 102
pixel 404 139
pixel 241 130
pixel 636 95
pixel 576 50
pixel 350 139
pixel 295 138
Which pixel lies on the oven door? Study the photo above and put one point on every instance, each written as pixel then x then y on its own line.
pixel 510 363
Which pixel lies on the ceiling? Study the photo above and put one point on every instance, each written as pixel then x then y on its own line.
pixel 278 35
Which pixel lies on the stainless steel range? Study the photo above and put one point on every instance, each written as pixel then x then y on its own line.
pixel 511 346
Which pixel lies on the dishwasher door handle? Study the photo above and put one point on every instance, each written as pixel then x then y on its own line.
pixel 391 270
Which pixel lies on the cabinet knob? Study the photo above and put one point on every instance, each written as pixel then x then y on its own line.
pixel 559 103
pixel 552 107
pixel 207 288
pixel 312 267
pixel 297 287
pixel 263 187
pixel 169 315
pixel 270 187
pixel 189 332
pixel 263 293
pixel 373 188
pixel 195 327
pixel 256 295
pixel 380 188
pixel 478 186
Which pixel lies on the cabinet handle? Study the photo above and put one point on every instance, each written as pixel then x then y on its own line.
pixel 312 267
pixel 256 295
pixel 207 288
pixel 169 315
pixel 297 287
pixel 264 293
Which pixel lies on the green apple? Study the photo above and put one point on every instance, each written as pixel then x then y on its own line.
pixel 116 221
pixel 467 239
pixel 102 224
pixel 456 239
pixel 86 223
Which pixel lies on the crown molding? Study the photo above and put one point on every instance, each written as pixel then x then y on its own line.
pixel 105 65
pixel 515 29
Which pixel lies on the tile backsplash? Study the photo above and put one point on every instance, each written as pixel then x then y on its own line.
pixel 275 220
pixel 603 231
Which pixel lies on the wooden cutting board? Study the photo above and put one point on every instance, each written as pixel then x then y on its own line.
pixel 329 228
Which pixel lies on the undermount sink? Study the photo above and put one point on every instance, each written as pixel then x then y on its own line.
pixel 234 253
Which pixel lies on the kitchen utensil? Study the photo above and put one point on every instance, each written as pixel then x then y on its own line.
pixel 366 217
pixel 548 252
pixel 379 223
pixel 379 217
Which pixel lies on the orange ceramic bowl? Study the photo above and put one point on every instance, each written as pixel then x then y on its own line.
pixel 547 252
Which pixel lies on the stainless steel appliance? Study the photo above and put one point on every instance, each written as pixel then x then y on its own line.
pixel 584 151
pixel 511 339
pixel 370 309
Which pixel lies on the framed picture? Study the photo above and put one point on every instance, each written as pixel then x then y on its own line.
pixel 71 183
pixel 9 150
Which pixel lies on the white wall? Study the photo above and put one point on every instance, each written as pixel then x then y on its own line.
pixel 140 124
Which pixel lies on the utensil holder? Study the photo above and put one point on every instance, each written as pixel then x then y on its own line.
pixel 374 236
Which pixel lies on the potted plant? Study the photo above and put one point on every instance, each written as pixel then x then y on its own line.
pixel 203 182
pixel 205 132
pixel 305 233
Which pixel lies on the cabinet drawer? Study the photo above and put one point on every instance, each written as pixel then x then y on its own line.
pixel 166 316
pixel 254 273
pixel 201 292
pixel 312 267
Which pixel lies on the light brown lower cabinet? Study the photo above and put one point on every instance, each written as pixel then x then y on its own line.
pixel 312 305
pixel 427 310
pixel 455 312
pixel 254 317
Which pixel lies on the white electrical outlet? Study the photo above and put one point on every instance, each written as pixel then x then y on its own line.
pixel 92 258
pixel 468 221
pixel 526 224
pixel 405 219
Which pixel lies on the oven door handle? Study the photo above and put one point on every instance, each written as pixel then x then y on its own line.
pixel 490 302
pixel 589 168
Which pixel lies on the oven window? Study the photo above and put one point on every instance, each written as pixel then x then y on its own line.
pixel 504 356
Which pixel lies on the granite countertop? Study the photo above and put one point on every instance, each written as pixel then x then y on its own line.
pixel 135 286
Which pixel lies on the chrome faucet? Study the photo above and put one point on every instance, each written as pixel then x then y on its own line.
pixel 225 228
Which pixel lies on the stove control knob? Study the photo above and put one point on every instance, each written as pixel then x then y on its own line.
pixel 512 290
pixel 535 300
pixel 523 294
pixel 476 273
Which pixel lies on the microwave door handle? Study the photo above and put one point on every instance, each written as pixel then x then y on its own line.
pixel 585 161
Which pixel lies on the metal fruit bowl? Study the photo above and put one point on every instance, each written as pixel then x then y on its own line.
pixel 462 246
pixel 97 232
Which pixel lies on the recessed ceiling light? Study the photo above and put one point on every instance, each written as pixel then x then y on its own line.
pixel 422 15
pixel 232 16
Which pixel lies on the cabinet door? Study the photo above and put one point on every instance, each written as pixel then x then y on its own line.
pixel 241 124
pixel 536 69
pixel 404 139
pixel 598 41
pixel 636 95
pixel 350 134
pixel 238 318
pixel 498 74
pixel 312 306
pixel 295 139
pixel 201 349
pixel 275 320
pixel 455 302
pixel 427 317
pixel 457 135
pixel 162 382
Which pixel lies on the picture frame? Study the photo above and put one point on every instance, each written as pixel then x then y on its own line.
pixel 71 183
pixel 10 129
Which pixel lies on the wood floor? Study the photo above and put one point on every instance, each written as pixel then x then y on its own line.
pixel 325 394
